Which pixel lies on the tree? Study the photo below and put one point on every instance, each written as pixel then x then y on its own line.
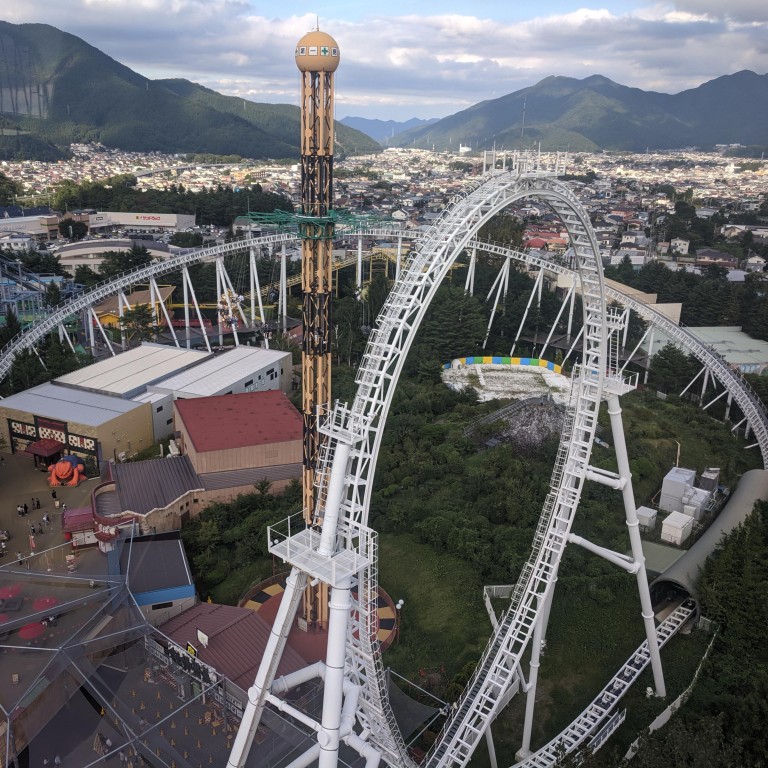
pixel 10 329
pixel 9 189
pixel 74 230
pixel 671 370
pixel 86 276
pixel 138 324
pixel 117 262
pixel 52 294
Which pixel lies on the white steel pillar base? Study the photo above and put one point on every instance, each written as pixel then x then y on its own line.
pixel 328 737
pixel 633 526
pixel 533 675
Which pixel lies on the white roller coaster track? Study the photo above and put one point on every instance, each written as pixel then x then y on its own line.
pixel 731 379
pixel 377 376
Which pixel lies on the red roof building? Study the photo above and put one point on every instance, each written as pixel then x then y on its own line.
pixel 257 432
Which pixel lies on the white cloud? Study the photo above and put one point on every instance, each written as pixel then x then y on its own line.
pixel 429 65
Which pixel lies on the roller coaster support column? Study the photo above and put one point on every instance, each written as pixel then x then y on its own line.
pixel 333 690
pixel 257 693
pixel 399 257
pixel 185 290
pixel 633 526
pixel 651 341
pixel 570 310
pixel 339 607
pixel 533 674
pixel 359 273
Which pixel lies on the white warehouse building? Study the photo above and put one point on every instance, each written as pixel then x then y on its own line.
pixel 239 370
pixel 164 222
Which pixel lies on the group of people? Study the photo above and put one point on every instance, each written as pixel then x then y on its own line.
pixel 23 509
pixel 228 304
pixel 34 529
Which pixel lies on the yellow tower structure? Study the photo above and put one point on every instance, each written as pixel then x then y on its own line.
pixel 317 57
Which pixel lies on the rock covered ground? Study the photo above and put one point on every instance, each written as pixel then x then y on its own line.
pixel 503 382
pixel 536 422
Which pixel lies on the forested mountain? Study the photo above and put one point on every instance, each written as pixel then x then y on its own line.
pixel 595 113
pixel 56 89
pixel 384 131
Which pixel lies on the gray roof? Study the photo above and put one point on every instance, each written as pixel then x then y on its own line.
pixel 685 572
pixel 76 406
pixel 155 564
pixel 146 485
pixel 220 372
pixel 130 372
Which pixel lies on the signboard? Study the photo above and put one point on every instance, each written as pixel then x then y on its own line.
pixel 23 433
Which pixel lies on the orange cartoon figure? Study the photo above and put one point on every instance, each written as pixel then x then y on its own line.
pixel 69 470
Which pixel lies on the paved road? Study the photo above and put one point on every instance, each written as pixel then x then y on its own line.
pixel 19 482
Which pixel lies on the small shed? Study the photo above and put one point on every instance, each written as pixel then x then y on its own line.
pixel 676 528
pixel 677 481
pixel 647 518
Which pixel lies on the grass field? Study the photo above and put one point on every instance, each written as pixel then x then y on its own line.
pixel 444 623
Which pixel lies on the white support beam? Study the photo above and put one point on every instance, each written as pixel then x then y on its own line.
pixel 469 283
pixel 575 342
pixel 634 351
pixel 188 282
pixel 165 311
pixel 536 286
pixel 557 320
pixel 63 332
pixel 185 299
pixel 715 399
pixel 691 382
pixel 103 332
pixel 499 285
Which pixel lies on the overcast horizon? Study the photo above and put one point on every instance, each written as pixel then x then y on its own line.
pixel 427 65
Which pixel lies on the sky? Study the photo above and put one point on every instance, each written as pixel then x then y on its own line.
pixel 403 59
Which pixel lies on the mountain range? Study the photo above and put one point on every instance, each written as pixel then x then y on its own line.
pixel 56 89
pixel 595 113
pixel 384 131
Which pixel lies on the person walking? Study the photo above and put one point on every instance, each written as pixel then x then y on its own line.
pixel 53 494
pixel 37 503
pixel 64 507
pixel 26 508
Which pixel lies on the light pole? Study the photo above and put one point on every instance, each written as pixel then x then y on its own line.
pixel 398 616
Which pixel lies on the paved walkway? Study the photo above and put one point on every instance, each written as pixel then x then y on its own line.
pixel 19 483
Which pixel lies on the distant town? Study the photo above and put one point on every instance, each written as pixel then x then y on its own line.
pixel 625 194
